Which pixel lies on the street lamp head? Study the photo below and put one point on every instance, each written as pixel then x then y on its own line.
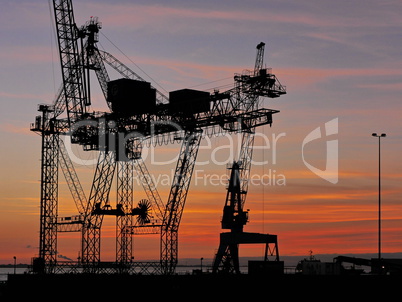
pixel 377 135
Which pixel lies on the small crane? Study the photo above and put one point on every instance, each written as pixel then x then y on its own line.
pixel 234 216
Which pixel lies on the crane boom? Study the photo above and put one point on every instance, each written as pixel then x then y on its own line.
pixel 71 65
pixel 259 60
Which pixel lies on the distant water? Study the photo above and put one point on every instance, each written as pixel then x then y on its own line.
pixel 180 269
pixel 4 272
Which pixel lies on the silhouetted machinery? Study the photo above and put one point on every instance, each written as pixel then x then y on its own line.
pixel 234 216
pixel 138 114
pixel 131 97
pixel 187 102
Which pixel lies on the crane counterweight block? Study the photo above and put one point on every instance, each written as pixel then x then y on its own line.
pixel 131 97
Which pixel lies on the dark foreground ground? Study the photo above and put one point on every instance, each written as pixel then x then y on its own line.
pixel 245 287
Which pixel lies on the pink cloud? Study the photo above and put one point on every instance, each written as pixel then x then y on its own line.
pixel 299 77
pixel 21 55
pixel 10 128
pixel 133 14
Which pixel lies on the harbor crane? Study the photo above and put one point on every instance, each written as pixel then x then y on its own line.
pixel 137 114
pixel 234 216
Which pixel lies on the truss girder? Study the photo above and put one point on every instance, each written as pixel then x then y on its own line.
pixel 128 73
pixel 99 195
pixel 67 36
pixel 73 182
pixel 125 189
pixel 245 159
pixel 49 200
pixel 70 224
pixel 176 201
pixel 99 66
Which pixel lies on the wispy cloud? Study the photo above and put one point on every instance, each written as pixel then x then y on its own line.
pixel 20 55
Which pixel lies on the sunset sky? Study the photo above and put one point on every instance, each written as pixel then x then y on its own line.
pixel 340 62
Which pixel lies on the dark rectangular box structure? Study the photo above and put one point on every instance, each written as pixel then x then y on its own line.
pixel 189 101
pixel 265 267
pixel 131 97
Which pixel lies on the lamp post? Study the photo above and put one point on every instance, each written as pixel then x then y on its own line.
pixel 379 191
pixel 15 264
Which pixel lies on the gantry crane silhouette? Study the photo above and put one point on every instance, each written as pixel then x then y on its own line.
pixel 137 114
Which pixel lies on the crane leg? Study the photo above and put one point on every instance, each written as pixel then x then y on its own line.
pixel 49 203
pixel 177 198
pixel 124 238
pixel 99 195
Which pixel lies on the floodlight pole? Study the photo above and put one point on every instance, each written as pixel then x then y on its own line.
pixel 379 191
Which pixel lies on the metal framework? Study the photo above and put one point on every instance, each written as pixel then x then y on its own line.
pixel 67 37
pixel 98 200
pixel 119 152
pixel 49 190
pixel 125 201
pixel 177 198
pixel 234 216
